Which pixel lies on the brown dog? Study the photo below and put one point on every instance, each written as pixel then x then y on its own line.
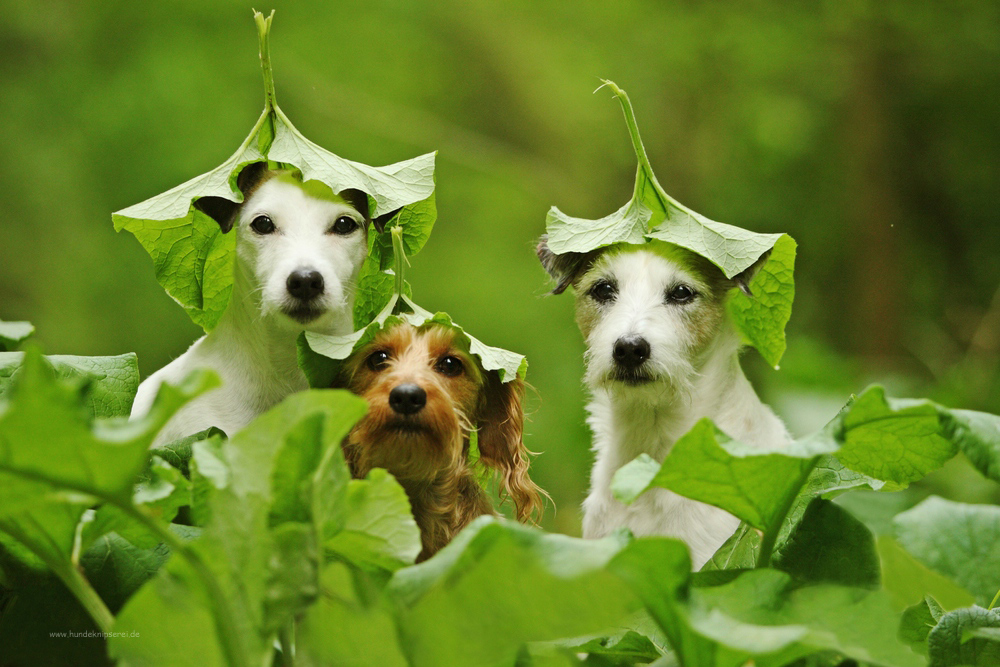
pixel 426 396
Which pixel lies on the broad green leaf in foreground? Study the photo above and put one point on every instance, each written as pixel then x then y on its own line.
pixel 760 616
pixel 652 214
pixel 13 334
pixel 257 562
pixel 193 258
pixel 829 545
pixel 379 530
pixel 499 585
pixel 112 381
pixel 958 540
pixel 874 441
pixel 56 461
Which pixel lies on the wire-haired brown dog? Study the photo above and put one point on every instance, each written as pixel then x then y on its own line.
pixel 426 396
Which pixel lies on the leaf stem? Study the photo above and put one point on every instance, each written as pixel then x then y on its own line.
pixel 70 576
pixel 640 151
pixel 996 598
pixel 286 639
pixel 770 536
pixel 399 258
pixel 264 37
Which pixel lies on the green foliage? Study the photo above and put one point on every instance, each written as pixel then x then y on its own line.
pixel 193 257
pixel 652 214
pixel 958 540
pixel 288 548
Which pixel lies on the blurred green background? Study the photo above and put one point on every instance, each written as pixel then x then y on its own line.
pixel 867 130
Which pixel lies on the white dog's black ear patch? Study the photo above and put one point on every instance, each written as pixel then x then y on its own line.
pixel 565 268
pixel 222 210
pixel 357 199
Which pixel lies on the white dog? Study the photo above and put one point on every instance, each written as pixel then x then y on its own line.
pixel 299 249
pixel 662 353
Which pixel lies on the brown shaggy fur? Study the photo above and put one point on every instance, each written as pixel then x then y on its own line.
pixel 428 451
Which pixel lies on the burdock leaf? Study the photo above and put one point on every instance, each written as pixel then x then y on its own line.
pixel 110 382
pixel 654 215
pixel 957 540
pixel 193 258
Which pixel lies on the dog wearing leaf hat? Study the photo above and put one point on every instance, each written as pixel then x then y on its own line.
pixel 299 249
pixel 662 353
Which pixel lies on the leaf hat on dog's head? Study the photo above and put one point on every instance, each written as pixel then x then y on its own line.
pixel 762 307
pixel 193 255
pixel 322 356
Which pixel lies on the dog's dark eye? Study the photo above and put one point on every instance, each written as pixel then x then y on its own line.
pixel 681 294
pixel 344 225
pixel 603 291
pixel 262 225
pixel 450 366
pixel 378 360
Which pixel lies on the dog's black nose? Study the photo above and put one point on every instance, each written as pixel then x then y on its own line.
pixel 407 399
pixel 631 351
pixel 305 285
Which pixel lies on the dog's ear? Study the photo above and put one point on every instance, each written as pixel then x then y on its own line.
pixel 222 210
pixel 566 268
pixel 357 199
pixel 501 445
pixel 743 278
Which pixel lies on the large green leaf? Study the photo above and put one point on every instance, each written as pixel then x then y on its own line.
pixel 56 460
pixel 652 214
pixel 345 628
pixel 13 334
pixel 955 642
pixel 112 381
pixel 257 562
pixel 759 616
pixel 752 483
pixel 193 258
pixel 499 585
pixel 875 441
pixel 380 530
pixel 958 540
pixel 831 546
pixel 977 434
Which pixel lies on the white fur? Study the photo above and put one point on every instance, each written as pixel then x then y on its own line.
pixel 688 383
pixel 253 347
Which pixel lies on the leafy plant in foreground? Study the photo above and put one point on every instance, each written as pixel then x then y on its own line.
pixel 288 548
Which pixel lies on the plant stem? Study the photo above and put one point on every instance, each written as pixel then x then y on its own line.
pixel 264 37
pixel 69 575
pixel 640 151
pixel 996 598
pixel 286 638
pixel 399 257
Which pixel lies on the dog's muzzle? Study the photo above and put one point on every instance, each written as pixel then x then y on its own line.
pixel 304 286
pixel 630 353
